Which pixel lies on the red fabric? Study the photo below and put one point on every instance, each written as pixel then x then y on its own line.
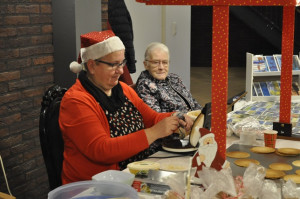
pixel 108 26
pixel 220 76
pixel 204 131
pixel 95 37
pixel 221 2
pixel 287 61
pixel 89 149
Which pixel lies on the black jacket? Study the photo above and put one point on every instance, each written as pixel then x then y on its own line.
pixel 121 24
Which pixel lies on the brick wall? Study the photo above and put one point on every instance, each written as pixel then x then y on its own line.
pixel 104 15
pixel 26 71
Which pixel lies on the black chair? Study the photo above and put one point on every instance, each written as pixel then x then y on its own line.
pixel 50 135
pixel 206 110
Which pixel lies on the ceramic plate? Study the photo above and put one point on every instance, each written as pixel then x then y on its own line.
pixel 179 150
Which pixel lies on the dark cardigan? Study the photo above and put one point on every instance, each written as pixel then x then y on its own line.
pixel 120 21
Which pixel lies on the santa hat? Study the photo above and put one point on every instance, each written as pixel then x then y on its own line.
pixel 205 133
pixel 95 45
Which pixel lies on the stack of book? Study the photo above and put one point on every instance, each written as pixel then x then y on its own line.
pixel 271 88
pixel 272 63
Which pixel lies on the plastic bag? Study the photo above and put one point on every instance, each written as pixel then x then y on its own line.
pixel 215 182
pixel 177 184
pixel 253 180
pixel 270 190
pixel 249 124
pixel 196 192
pixel 290 191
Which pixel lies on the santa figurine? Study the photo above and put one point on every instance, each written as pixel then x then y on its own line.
pixel 207 154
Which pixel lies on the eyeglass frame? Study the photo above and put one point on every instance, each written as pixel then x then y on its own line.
pixel 159 62
pixel 112 65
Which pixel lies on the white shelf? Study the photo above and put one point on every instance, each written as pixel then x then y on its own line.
pixel 273 98
pixel 257 74
pixel 250 75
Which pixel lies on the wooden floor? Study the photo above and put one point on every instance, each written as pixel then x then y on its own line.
pixel 201 82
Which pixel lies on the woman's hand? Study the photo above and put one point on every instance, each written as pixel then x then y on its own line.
pixel 184 121
pixel 164 128
pixel 187 123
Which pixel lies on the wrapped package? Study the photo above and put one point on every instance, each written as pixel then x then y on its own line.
pixel 270 190
pixel 177 184
pixel 215 182
pixel 290 191
pixel 249 124
pixel 253 180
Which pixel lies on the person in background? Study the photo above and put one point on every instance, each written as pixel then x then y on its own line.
pixel 119 21
pixel 162 91
pixel 105 125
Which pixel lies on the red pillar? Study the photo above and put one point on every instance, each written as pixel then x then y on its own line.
pixel 220 75
pixel 287 51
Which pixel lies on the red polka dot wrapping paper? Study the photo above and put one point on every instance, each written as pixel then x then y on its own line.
pixel 222 2
pixel 220 75
pixel 287 48
pixel 220 56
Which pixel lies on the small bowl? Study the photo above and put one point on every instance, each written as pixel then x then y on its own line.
pixel 115 176
pixel 142 167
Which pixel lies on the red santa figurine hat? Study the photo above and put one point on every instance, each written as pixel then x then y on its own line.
pixel 95 45
pixel 205 133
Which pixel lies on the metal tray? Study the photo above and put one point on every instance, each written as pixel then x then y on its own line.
pixel 264 159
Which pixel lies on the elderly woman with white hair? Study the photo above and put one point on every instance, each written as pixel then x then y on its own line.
pixel 105 125
pixel 163 92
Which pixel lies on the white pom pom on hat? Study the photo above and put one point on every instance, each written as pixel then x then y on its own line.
pixel 95 45
pixel 75 67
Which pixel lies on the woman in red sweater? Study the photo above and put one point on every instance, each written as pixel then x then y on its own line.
pixel 105 125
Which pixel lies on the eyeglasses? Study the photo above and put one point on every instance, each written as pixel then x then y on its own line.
pixel 156 63
pixel 113 65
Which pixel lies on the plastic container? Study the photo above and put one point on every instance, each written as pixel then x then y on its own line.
pixel 92 189
pixel 115 176
pixel 248 138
